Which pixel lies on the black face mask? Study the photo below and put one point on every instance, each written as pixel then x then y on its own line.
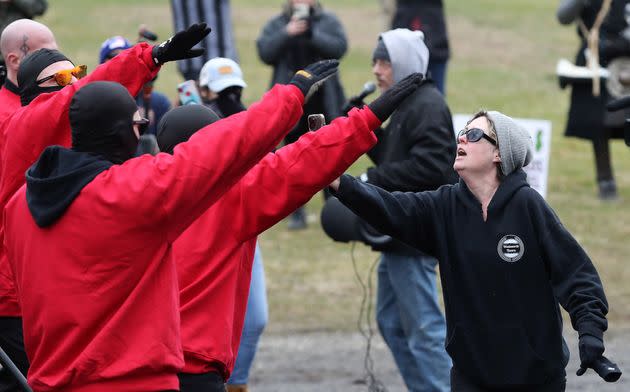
pixel 229 101
pixel 101 119
pixel 180 123
pixel 30 68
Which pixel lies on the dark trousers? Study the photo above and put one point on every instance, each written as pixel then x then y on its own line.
pixel 12 342
pixel 204 382
pixel 461 383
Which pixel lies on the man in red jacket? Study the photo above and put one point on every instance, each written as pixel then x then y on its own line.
pixel 99 293
pixel 22 138
pixel 19 39
pixel 214 255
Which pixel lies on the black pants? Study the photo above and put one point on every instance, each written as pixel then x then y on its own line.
pixel 12 342
pixel 204 382
pixel 461 383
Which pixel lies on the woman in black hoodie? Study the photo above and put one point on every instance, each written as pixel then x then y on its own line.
pixel 506 262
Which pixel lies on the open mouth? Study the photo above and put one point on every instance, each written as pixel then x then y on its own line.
pixel 461 152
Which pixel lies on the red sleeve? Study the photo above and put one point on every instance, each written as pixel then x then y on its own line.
pixel 288 178
pixel 176 189
pixel 45 122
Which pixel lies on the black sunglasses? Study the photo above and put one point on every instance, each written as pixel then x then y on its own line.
pixel 475 134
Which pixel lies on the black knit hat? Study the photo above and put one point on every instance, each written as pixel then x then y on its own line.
pixel 380 52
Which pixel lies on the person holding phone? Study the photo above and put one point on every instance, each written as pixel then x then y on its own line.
pixel 302 34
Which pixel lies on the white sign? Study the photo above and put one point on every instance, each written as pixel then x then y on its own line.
pixel 540 131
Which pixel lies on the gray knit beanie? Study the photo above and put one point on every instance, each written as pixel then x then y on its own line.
pixel 515 144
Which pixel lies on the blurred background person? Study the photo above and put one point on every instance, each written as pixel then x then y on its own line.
pixel 587 117
pixel 220 86
pixel 302 34
pixel 221 43
pixel 17 40
pixel 414 153
pixel 428 17
pixel 12 10
pixel 151 104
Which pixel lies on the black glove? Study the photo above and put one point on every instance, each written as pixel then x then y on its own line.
pixel 605 368
pixel 310 78
pixel 386 103
pixel 351 104
pixel 591 350
pixel 179 46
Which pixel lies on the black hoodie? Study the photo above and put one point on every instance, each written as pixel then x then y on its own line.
pixel 502 278
pixel 56 179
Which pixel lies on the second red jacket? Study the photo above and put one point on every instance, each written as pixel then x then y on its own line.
pixel 214 255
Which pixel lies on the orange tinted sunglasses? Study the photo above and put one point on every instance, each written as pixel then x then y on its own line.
pixel 64 77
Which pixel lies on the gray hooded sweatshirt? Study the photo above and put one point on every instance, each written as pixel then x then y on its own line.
pixel 407 52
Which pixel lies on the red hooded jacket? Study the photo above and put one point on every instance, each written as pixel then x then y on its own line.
pixel 214 256
pixel 45 122
pixel 98 288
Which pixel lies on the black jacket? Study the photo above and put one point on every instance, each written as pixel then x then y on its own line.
pixel 416 150
pixel 427 16
pixel 502 278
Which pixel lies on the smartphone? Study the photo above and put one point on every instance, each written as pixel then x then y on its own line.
pixel 188 93
pixel 316 121
pixel 301 11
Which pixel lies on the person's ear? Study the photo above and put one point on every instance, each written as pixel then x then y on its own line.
pixel 13 61
pixel 497 157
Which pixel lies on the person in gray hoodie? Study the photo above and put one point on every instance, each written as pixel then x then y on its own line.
pixel 414 153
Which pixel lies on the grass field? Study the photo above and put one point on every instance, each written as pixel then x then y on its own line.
pixel 504 56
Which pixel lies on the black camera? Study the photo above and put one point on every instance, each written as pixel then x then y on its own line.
pixel 343 225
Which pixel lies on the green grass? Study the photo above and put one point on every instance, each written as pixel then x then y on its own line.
pixel 504 56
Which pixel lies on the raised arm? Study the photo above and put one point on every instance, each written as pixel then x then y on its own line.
pixel 406 216
pixel 286 179
pixel 45 121
pixel 178 188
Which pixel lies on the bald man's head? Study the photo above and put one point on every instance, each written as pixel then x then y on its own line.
pixel 21 38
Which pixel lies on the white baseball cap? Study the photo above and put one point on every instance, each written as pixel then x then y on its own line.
pixel 220 73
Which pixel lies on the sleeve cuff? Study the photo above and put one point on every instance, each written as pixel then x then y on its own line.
pixel 591 329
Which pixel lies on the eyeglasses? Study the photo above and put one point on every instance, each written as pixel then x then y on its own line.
pixel 64 77
pixel 475 134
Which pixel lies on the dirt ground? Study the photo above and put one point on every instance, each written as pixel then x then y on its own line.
pixel 334 362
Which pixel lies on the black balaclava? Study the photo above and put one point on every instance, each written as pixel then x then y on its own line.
pixel 101 119
pixel 229 101
pixel 180 123
pixel 30 68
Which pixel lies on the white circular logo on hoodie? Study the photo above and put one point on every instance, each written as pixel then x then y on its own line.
pixel 511 248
